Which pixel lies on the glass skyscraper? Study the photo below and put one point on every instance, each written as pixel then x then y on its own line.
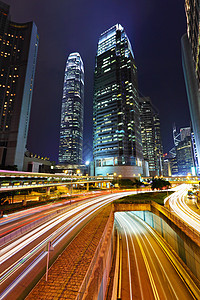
pixel 117 137
pixel 18 55
pixel 71 130
pixel 191 66
pixel 151 136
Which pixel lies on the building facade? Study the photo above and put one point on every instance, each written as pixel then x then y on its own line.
pixel 18 54
pixel 191 65
pixel 151 136
pixel 117 146
pixel 185 157
pixel 71 129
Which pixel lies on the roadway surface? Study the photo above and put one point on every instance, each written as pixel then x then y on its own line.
pixel 19 219
pixel 178 203
pixel 23 259
pixel 147 270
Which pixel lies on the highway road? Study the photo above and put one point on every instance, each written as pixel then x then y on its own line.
pixel 23 259
pixel 19 219
pixel 148 268
pixel 178 206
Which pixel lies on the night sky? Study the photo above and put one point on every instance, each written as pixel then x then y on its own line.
pixel 154 28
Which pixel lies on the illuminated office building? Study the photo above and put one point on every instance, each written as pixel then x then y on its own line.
pixel 185 157
pixel 18 54
pixel 191 65
pixel 117 146
pixel 71 129
pixel 151 136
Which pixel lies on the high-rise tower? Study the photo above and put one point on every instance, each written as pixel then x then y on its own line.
pixel 191 65
pixel 18 54
pixel 151 136
pixel 71 130
pixel 117 146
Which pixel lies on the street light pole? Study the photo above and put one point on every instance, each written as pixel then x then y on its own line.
pixel 49 248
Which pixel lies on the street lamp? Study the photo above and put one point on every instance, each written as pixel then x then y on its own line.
pixel 114 175
pixel 87 163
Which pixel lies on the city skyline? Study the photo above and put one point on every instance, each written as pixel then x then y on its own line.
pixel 152 45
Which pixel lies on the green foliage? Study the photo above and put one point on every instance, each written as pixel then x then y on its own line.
pixel 123 183
pixel 158 197
pixel 159 184
pixel 138 183
pixel 127 183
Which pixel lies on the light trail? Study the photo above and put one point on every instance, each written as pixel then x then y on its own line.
pixel 177 203
pixel 71 219
pixel 39 257
pixel 160 263
pixel 127 227
pixel 129 263
pixel 150 245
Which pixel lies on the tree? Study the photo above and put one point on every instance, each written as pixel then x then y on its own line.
pixel 137 183
pixel 159 184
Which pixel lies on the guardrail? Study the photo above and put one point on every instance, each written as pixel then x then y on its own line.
pixel 84 285
pixel 23 185
pixel 187 229
pixel 183 226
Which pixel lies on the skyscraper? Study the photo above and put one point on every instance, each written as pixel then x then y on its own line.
pixel 18 54
pixel 151 136
pixel 117 146
pixel 185 157
pixel 191 65
pixel 71 129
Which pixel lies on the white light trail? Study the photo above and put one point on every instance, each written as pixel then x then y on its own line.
pixel 177 203
pixel 81 212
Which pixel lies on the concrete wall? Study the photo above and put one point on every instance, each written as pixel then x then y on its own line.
pixel 189 255
pixel 130 207
pixel 95 283
pixel 188 251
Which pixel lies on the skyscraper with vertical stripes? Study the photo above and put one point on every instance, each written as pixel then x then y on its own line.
pixel 71 128
pixel 151 136
pixel 117 146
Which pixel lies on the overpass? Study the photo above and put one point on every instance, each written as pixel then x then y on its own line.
pixel 15 180
pixel 177 179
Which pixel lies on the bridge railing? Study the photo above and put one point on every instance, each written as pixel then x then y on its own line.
pixel 87 277
pixel 186 228
pixel 13 183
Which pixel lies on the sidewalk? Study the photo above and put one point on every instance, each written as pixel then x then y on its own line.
pixel 67 273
